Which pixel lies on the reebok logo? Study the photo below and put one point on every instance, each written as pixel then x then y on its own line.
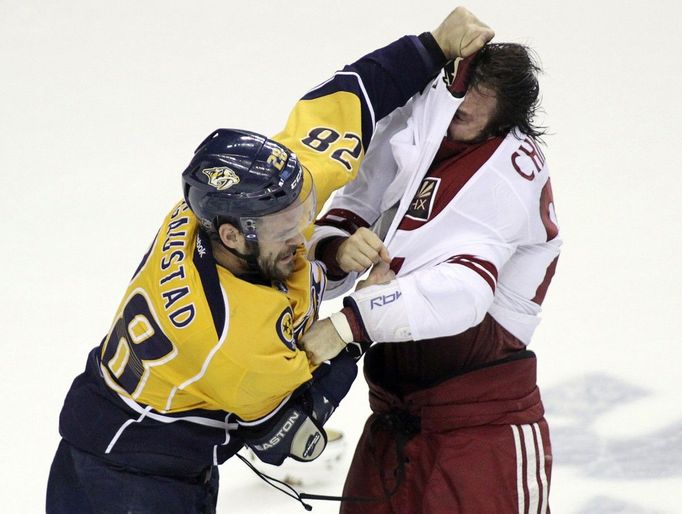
pixel 384 299
pixel 201 249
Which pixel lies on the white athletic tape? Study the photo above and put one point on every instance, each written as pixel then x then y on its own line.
pixel 342 326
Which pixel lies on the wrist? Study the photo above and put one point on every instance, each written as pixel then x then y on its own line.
pixel 434 50
pixel 354 320
pixel 342 327
pixel 326 252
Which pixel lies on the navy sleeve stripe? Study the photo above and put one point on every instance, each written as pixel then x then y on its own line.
pixel 383 80
pixel 206 266
pixel 406 67
pixel 349 82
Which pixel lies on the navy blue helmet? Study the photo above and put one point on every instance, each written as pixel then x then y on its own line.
pixel 241 177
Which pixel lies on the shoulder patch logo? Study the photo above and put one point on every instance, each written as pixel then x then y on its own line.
pixel 285 328
pixel 422 203
pixel 221 177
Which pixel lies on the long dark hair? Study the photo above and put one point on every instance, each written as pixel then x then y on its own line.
pixel 511 71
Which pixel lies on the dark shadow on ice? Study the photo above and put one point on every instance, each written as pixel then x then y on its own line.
pixel 583 400
pixel 606 505
pixel 589 396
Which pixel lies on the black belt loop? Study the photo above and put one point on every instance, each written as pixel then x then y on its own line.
pixel 399 421
pixel 404 426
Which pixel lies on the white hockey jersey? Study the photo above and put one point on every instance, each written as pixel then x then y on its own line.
pixel 470 236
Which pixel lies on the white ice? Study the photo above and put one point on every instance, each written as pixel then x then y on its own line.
pixel 103 103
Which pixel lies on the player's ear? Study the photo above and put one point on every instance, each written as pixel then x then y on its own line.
pixel 231 237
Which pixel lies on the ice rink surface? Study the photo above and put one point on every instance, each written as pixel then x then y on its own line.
pixel 103 103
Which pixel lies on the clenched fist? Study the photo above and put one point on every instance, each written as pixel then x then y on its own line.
pixel 321 342
pixel 360 251
pixel 462 34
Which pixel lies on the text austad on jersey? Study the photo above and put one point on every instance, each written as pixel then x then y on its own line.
pixel 172 264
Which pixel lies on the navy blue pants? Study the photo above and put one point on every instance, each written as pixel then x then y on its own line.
pixel 84 483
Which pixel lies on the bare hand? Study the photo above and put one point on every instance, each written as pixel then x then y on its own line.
pixel 360 251
pixel 380 274
pixel 321 342
pixel 462 34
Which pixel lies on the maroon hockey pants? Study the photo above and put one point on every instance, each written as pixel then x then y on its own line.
pixel 474 444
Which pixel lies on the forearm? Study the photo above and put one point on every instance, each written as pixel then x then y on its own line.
pixel 396 72
pixel 437 302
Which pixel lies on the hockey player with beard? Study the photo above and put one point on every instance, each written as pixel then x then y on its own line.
pixel 457 191
pixel 202 355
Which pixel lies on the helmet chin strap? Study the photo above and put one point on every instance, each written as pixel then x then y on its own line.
pixel 251 260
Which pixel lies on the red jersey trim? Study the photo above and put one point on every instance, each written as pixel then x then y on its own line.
pixel 544 285
pixel 485 269
pixel 342 219
pixel 459 163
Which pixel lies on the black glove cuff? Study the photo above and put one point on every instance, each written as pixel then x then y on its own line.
pixel 432 48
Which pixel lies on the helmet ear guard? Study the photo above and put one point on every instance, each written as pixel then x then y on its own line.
pixel 241 177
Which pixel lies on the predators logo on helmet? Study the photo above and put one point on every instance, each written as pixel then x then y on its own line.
pixel 221 177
